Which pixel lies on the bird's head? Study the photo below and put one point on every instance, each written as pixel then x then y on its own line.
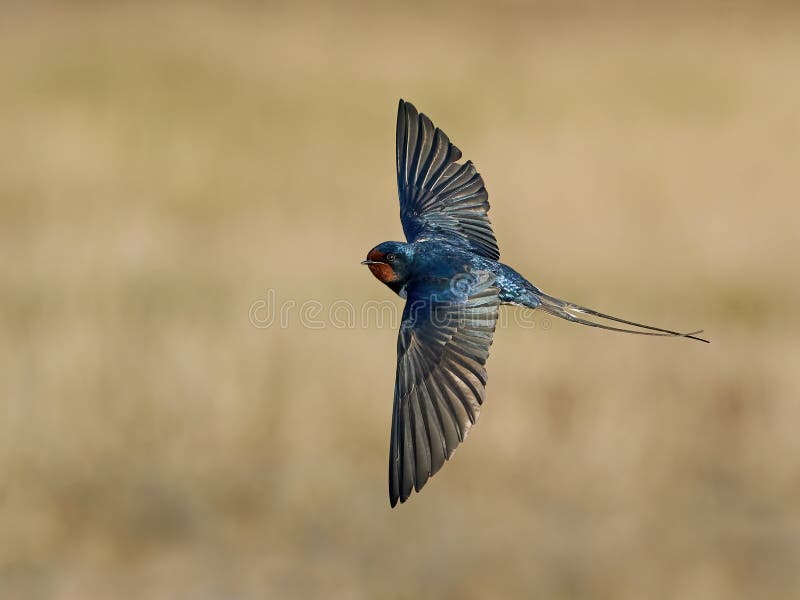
pixel 390 262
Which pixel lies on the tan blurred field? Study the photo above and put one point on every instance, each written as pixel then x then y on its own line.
pixel 162 169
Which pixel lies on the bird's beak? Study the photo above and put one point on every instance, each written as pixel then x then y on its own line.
pixel 369 262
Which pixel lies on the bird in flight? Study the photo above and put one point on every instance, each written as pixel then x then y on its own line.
pixel 453 282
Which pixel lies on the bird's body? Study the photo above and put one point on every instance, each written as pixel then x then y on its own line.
pixel 450 274
pixel 441 260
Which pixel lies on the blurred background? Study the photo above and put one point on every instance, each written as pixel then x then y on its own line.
pixel 166 168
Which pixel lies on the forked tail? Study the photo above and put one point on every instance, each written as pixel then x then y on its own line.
pixel 565 310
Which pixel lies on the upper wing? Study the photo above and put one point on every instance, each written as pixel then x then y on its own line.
pixel 442 348
pixel 437 194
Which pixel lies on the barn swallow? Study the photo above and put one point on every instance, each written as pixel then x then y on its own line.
pixel 453 282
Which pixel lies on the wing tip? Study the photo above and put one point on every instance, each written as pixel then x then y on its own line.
pixel 407 108
pixel 401 498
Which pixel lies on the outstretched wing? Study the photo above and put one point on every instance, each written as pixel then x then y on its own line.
pixel 442 349
pixel 437 194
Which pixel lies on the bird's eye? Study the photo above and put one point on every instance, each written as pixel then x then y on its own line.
pixel 390 257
